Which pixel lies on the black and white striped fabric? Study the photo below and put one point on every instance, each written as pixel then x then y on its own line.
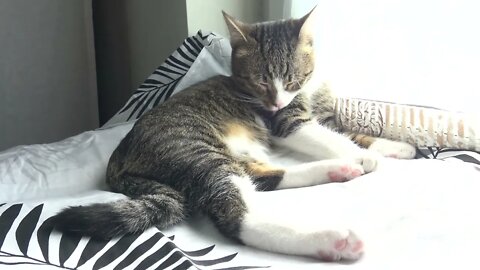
pixel 28 241
pixel 450 154
pixel 162 83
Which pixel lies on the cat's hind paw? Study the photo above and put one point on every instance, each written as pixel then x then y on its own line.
pixel 336 246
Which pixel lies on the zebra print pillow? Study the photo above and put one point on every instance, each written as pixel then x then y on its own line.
pixel 162 83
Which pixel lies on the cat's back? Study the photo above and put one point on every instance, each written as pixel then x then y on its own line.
pixel 200 96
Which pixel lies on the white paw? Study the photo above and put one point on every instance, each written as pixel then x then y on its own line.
pixel 368 159
pixel 344 170
pixel 387 148
pixel 337 245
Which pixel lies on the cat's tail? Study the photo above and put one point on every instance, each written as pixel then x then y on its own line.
pixel 127 216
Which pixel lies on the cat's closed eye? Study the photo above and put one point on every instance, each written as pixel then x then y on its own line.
pixel 263 81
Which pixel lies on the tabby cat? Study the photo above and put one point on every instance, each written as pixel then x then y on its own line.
pixel 206 150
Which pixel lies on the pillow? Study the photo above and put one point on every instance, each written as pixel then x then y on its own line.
pixel 67 167
pixel 419 126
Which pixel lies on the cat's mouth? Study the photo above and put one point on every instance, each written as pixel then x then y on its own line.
pixel 273 108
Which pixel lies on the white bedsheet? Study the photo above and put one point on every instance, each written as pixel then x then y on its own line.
pixel 418 214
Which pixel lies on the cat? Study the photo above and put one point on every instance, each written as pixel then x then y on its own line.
pixel 206 150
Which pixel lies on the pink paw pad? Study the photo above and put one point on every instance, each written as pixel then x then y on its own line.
pixel 335 177
pixel 341 244
pixel 339 247
pixel 344 173
pixel 357 247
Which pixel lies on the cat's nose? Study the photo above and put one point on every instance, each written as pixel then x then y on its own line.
pixel 274 108
pixel 279 104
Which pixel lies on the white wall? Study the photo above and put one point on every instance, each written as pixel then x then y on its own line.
pixel 411 51
pixel 207 14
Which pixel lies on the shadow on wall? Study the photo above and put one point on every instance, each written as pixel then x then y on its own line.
pixel 132 38
pixel 112 56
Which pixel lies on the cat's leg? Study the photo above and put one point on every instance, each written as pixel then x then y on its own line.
pixel 323 143
pixel 266 177
pixel 241 213
pixel 385 147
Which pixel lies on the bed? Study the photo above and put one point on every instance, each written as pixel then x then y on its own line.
pixel 411 214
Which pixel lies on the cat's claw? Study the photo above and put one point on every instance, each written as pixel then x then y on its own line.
pixel 336 246
pixel 393 149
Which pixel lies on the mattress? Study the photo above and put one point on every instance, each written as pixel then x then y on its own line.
pixel 411 214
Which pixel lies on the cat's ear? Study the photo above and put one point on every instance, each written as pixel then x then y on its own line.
pixel 307 30
pixel 238 30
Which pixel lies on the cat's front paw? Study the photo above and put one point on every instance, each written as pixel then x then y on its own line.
pixel 337 245
pixel 344 171
pixel 393 149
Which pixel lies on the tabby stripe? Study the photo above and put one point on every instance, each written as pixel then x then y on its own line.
pixel 154 204
pixel 261 34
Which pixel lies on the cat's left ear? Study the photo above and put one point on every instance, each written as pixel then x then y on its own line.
pixel 307 32
pixel 238 30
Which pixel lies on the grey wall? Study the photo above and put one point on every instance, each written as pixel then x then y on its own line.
pixel 47 78
pixel 132 38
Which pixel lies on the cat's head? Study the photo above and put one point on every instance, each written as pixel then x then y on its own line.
pixel 272 61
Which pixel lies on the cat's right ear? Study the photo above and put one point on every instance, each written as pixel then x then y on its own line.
pixel 238 30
